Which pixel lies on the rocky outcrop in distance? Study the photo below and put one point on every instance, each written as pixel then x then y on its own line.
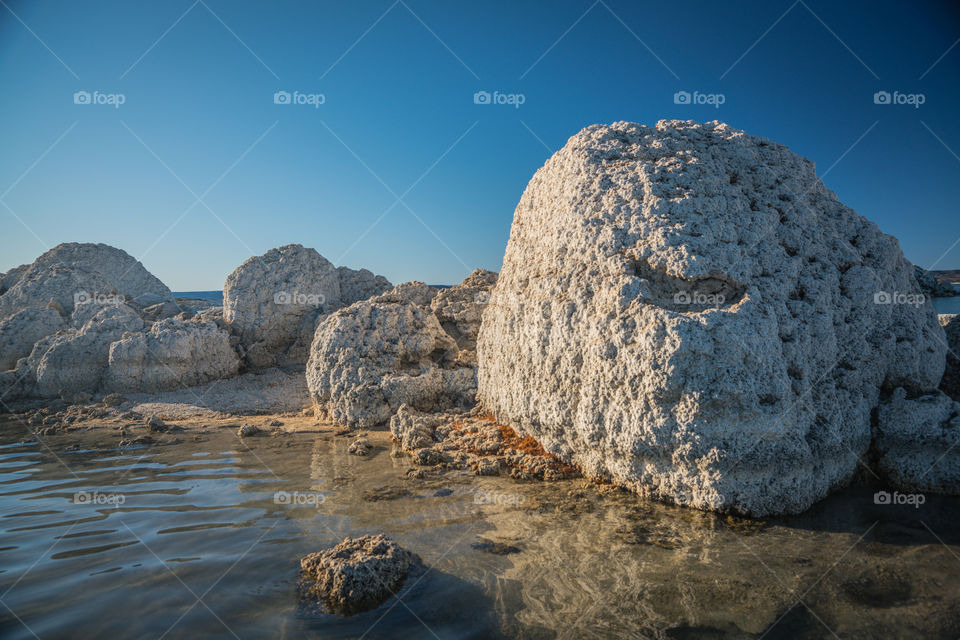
pixel 90 319
pixel 688 311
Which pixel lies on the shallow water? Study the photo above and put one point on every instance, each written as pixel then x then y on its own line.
pixel 188 541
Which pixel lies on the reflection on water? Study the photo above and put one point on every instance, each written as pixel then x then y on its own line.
pixel 188 540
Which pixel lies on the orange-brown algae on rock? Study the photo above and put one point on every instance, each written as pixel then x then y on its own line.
pixel 477 442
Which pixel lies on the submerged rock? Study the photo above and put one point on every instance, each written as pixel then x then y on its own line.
pixel 356 575
pixel 688 311
pixel 376 355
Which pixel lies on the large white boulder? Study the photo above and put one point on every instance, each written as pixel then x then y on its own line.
pixel 75 272
pixel 173 354
pixel 688 311
pixel 370 358
pixel 22 330
pixel 273 302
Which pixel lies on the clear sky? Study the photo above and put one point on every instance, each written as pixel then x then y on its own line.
pixel 399 169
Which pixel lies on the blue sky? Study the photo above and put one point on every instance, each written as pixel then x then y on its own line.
pixel 399 170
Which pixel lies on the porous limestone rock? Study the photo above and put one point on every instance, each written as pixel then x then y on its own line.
pixel 368 359
pixel 460 308
pixel 22 330
pixel 75 359
pixel 950 384
pixel 75 272
pixel 11 277
pixel 916 442
pixel 688 311
pixel 356 575
pixel 173 354
pixel 376 355
pixel 273 302
pixel 360 284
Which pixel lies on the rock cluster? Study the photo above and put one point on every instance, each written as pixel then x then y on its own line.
pixel 273 302
pixel 412 345
pixel 688 311
pixel 356 575
pixel 88 318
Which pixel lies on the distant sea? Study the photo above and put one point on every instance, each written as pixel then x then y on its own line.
pixel 212 296
pixel 948 305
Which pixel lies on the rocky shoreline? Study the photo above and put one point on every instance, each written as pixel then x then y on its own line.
pixel 664 322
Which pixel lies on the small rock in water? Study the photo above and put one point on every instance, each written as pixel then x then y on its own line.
pixel 356 575
pixel 496 548
pixel 276 423
pixel 156 424
pixel 360 447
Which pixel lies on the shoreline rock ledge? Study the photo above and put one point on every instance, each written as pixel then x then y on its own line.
pixel 688 311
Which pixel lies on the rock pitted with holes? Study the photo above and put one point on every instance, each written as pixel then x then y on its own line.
pixel 688 311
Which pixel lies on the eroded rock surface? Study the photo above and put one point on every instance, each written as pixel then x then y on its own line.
pixel 950 384
pixel 75 272
pixel 19 332
pixel 273 302
pixel 356 575
pixel 376 355
pixel 173 354
pixel 688 311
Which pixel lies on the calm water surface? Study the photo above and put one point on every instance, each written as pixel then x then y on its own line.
pixel 188 541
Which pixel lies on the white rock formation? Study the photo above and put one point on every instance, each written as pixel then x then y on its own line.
pixel 22 330
pixel 173 354
pixel 376 355
pixel 460 308
pixel 273 302
pixel 916 443
pixel 360 284
pixel 688 311
pixel 73 272
pixel 75 360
